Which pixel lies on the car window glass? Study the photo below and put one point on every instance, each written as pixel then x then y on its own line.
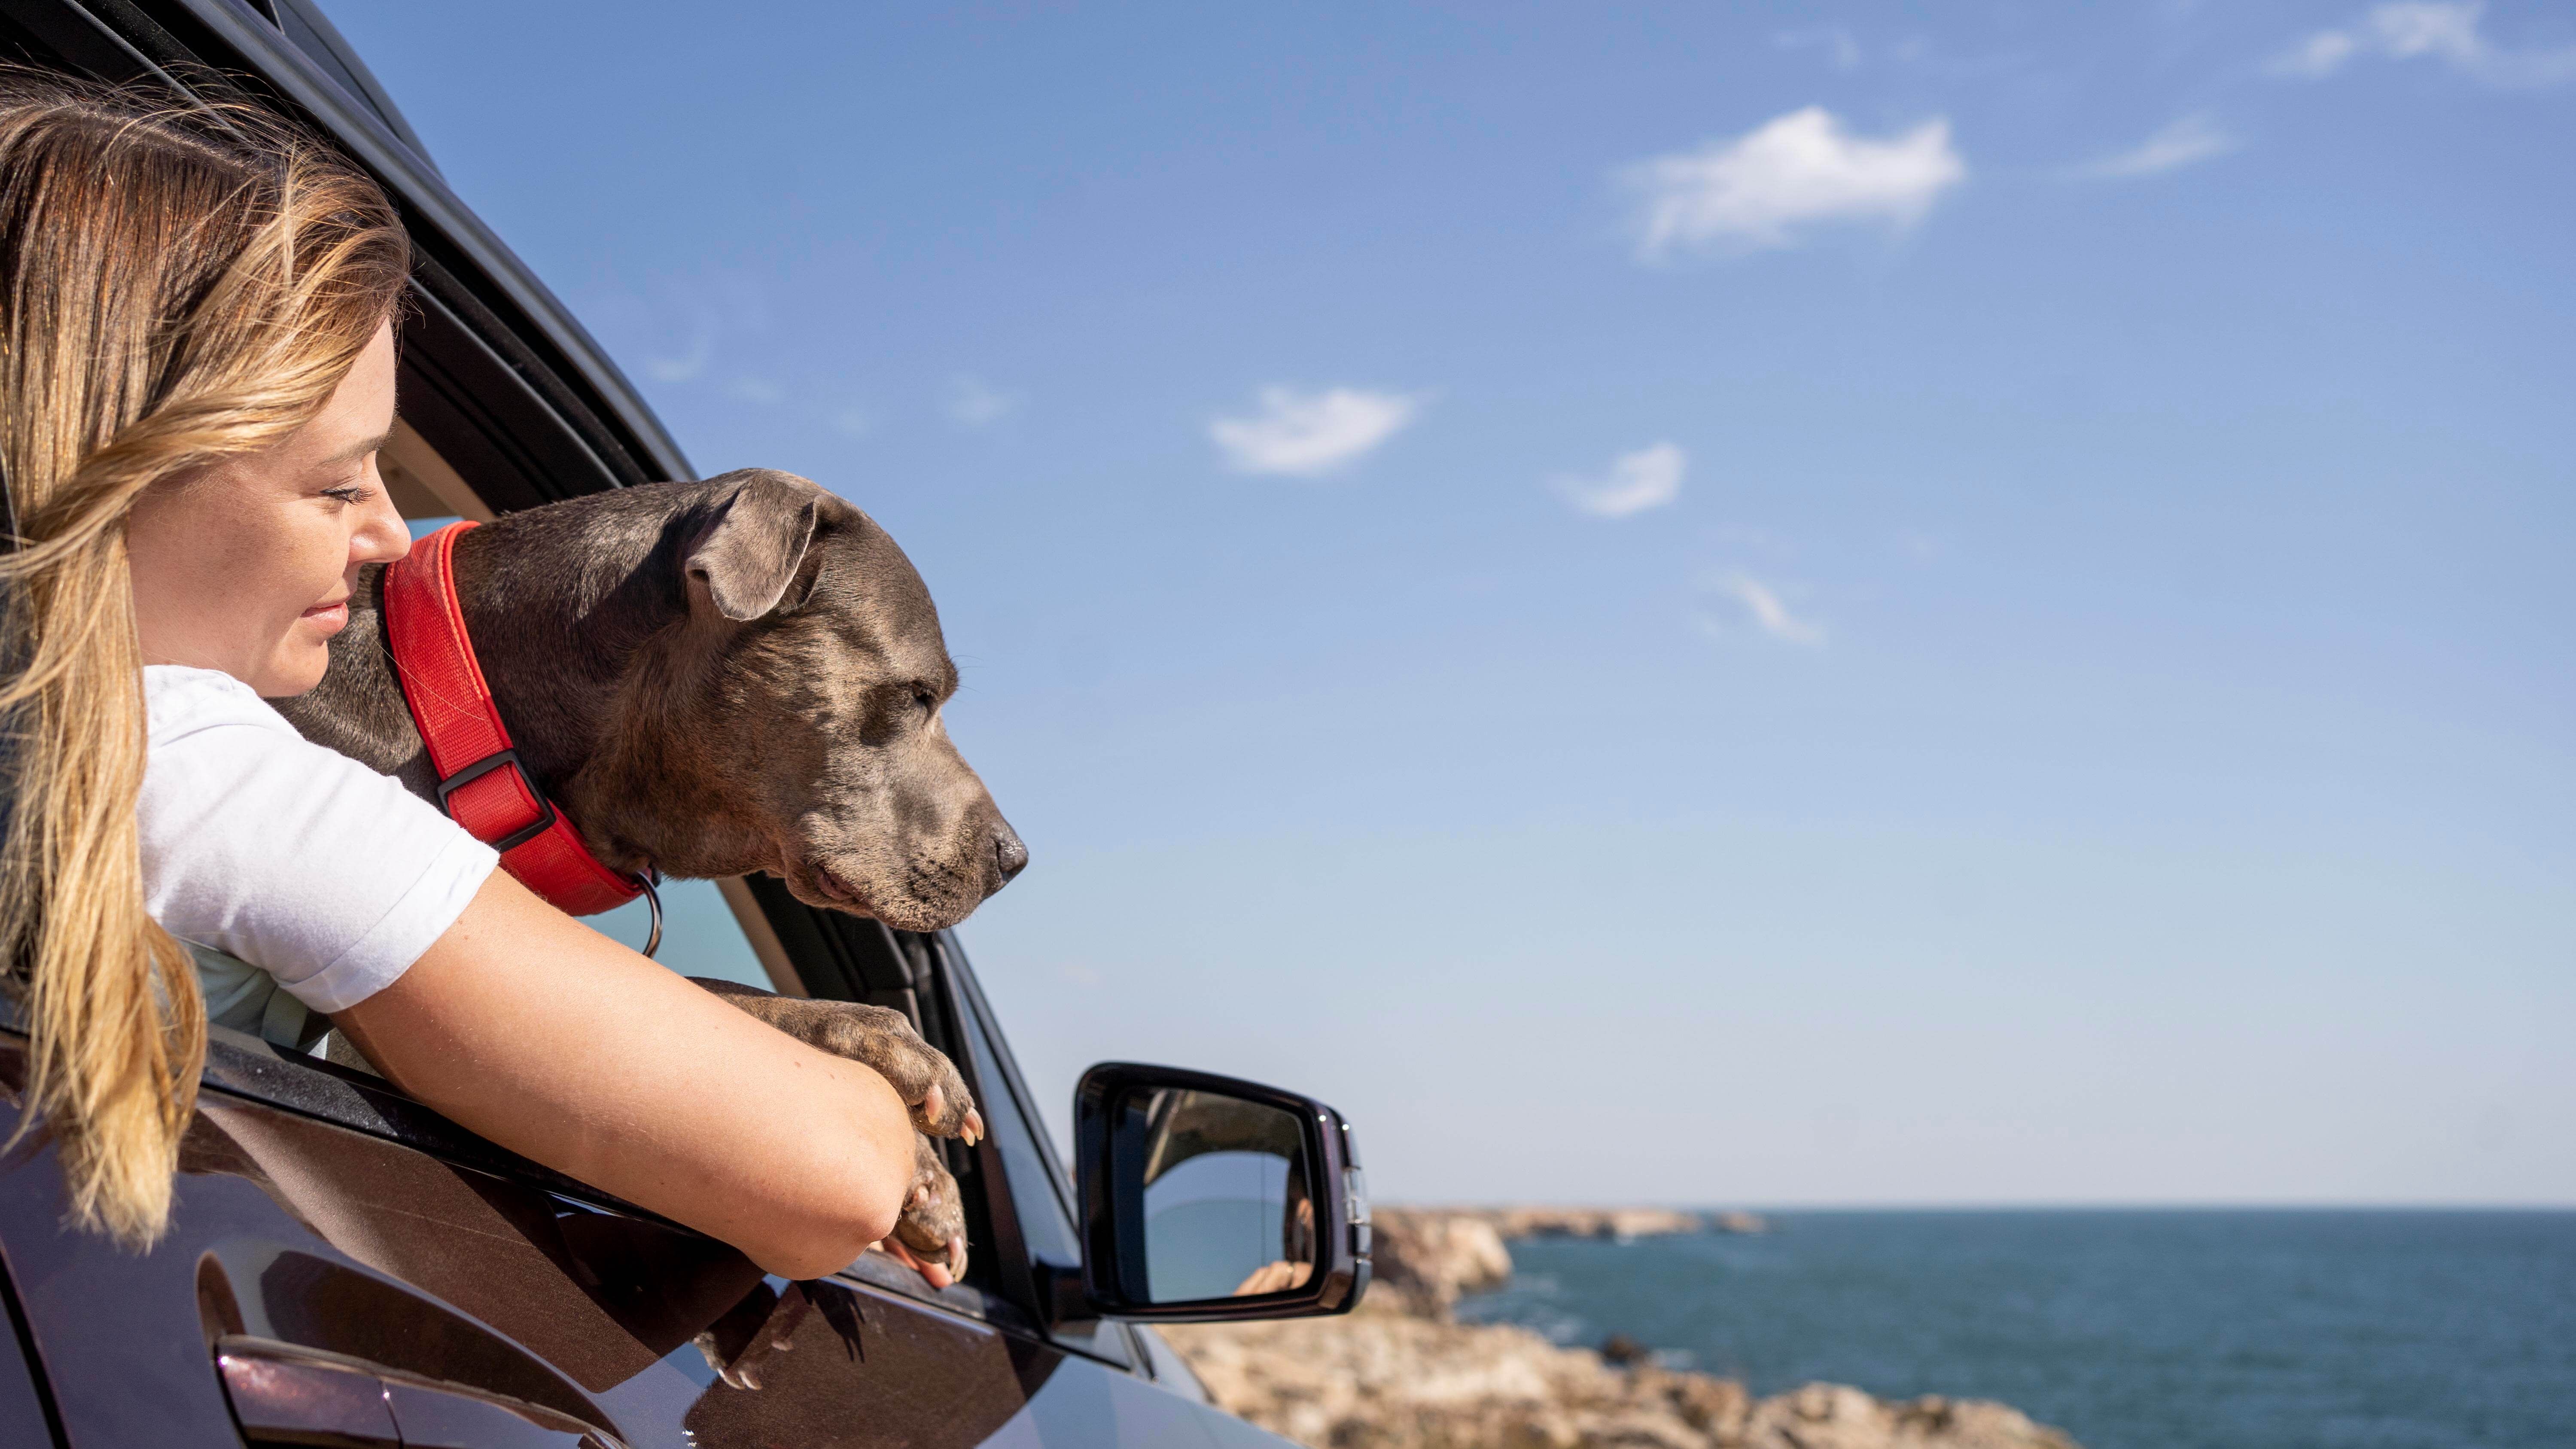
pixel 1044 1224
pixel 700 936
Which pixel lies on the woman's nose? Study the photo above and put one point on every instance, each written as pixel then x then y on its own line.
pixel 383 537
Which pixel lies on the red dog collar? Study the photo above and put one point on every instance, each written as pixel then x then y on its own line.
pixel 481 784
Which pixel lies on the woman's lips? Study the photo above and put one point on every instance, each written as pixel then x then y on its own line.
pixel 331 618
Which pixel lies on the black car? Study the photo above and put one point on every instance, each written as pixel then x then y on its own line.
pixel 346 1267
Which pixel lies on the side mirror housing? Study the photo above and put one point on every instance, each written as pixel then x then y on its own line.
pixel 1206 1198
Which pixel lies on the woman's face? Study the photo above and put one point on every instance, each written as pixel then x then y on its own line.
pixel 247 566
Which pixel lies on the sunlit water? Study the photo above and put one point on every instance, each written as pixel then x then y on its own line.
pixel 2131 1330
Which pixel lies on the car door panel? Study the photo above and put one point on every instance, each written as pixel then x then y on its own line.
pixel 319 1238
pixel 864 1367
pixel 1089 1405
pixel 25 1413
pixel 600 1296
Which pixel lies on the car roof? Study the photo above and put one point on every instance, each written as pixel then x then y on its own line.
pixel 310 31
pixel 519 392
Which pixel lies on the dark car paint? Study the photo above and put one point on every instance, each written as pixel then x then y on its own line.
pixel 326 1225
pixel 319 1211
pixel 308 1233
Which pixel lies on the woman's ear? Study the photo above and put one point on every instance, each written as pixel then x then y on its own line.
pixel 743 561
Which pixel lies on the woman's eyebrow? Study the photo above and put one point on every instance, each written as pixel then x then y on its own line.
pixel 355 451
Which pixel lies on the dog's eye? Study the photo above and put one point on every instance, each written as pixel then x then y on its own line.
pixel 928 702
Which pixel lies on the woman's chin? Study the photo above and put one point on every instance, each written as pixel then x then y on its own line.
pixel 295 669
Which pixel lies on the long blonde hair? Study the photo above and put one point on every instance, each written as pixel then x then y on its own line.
pixel 179 283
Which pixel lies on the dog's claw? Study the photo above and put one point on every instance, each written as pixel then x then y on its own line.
pixel 973 1131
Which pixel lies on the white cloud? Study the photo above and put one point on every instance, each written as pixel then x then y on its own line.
pixel 854 422
pixel 2193 138
pixel 2414 30
pixel 1647 478
pixel 1304 434
pixel 972 404
pixel 1763 605
pixel 1802 169
pixel 758 390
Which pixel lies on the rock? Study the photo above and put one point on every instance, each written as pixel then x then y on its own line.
pixel 1621 1351
pixel 1430 1260
pixel 1400 1374
pixel 1539 1222
pixel 1836 1416
pixel 1380 1380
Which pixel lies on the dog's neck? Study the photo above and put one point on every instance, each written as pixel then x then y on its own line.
pixel 556 643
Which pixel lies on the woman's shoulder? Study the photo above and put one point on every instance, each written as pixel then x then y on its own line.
pixel 180 701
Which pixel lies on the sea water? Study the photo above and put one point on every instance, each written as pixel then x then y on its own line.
pixel 2127 1329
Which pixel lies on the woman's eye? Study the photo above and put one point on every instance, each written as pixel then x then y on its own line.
pixel 349 493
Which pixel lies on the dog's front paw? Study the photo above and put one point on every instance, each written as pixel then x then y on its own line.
pixel 932 1230
pixel 920 1073
pixel 878 1037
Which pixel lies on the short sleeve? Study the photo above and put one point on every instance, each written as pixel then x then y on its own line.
pixel 290 856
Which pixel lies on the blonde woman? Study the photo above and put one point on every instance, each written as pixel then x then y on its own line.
pixel 197 313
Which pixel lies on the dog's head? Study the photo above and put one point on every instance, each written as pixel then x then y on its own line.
pixel 791 723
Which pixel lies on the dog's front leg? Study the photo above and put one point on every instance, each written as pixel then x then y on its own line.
pixel 876 1036
pixel 931 1233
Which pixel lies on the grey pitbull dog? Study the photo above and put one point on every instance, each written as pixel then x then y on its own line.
pixel 710 679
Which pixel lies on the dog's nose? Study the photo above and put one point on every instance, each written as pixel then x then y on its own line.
pixel 1008 852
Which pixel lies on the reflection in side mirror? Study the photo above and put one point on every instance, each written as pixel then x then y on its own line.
pixel 1226 1208
pixel 1208 1198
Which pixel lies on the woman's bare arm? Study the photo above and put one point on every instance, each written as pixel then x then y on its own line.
pixel 567 1048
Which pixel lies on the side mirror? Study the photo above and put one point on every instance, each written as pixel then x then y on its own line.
pixel 1207 1198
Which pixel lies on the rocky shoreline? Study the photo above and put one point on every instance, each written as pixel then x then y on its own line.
pixel 1579 1222
pixel 1401 1374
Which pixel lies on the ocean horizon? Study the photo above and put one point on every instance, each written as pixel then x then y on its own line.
pixel 2128 1327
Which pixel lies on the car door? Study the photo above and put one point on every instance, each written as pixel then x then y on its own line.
pixel 328 1227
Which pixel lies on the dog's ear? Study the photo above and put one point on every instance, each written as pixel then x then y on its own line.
pixel 743 560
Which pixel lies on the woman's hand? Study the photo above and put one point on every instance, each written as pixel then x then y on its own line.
pixel 1276 1277
pixel 933 1270
pixel 530 1028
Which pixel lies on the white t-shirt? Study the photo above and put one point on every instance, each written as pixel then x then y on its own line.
pixel 292 857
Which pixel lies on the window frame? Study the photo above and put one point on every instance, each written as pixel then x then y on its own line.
pixel 1004 1090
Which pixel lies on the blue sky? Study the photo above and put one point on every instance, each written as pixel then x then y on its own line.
pixel 1679 603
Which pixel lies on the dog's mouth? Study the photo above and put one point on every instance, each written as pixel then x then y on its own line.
pixel 929 898
pixel 814 881
pixel 835 888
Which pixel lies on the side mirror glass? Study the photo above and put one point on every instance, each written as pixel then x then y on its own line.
pixel 1210 1198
